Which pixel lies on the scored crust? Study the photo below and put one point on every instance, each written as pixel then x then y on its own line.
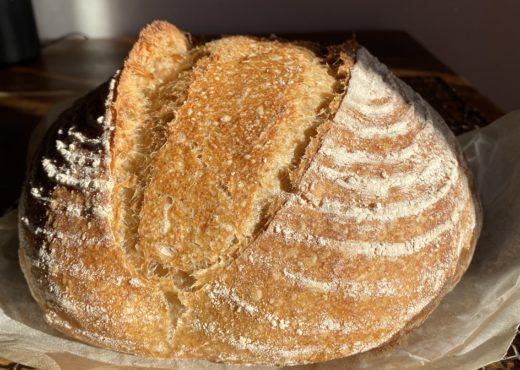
pixel 246 201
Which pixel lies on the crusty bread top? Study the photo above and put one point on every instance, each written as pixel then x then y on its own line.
pixel 229 149
pixel 222 209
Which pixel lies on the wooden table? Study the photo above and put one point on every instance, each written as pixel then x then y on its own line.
pixel 69 68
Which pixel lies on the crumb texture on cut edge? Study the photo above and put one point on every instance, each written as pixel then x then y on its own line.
pixel 229 153
pixel 348 213
pixel 151 87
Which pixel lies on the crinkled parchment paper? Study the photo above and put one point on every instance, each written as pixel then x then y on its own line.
pixel 473 326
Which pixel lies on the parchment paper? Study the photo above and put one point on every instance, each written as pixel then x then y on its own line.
pixel 473 326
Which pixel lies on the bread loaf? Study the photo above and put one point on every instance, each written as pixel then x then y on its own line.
pixel 246 200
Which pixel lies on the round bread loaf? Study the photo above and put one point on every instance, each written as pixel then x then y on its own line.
pixel 246 201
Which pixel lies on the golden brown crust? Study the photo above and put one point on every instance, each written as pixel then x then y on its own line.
pixel 236 135
pixel 66 241
pixel 148 92
pixel 245 201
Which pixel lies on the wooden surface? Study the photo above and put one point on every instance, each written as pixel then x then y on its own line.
pixel 70 68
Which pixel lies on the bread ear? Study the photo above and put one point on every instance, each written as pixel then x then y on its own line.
pixel 159 46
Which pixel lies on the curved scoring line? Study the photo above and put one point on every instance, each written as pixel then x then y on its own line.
pixel 349 288
pixel 379 101
pixel 371 74
pixel 223 291
pixel 369 90
pixel 393 133
pixel 229 296
pixel 363 85
pixel 342 156
pixel 371 111
pixel 366 86
pixel 85 140
pixel 461 238
pixel 50 167
pixel 400 127
pixel 370 119
pixel 78 158
pixel 62 176
pixel 383 287
pixel 379 185
pixel 379 249
pixel 385 212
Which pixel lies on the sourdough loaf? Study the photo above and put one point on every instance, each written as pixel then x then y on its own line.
pixel 246 201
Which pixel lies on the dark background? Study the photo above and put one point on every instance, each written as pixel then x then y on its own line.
pixel 479 39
